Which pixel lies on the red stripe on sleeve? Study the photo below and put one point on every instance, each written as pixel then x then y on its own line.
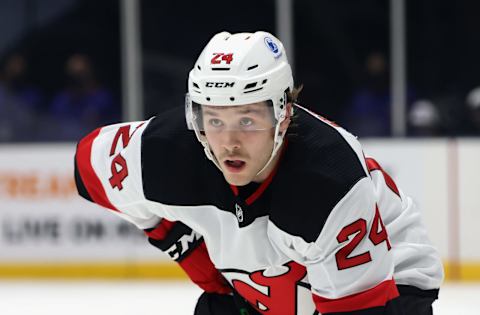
pixel 161 230
pixel 202 271
pixel 373 165
pixel 87 173
pixel 375 297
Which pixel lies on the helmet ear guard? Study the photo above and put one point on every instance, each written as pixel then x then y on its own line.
pixel 235 70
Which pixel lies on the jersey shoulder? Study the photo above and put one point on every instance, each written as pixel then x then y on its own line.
pixel 173 163
pixel 322 163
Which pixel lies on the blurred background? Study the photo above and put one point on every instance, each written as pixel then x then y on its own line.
pixel 402 75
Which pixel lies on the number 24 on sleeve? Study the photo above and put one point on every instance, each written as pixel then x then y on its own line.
pixel 359 229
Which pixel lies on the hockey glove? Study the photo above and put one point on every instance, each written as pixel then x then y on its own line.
pixel 188 249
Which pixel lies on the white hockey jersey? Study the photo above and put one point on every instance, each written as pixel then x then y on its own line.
pixel 327 232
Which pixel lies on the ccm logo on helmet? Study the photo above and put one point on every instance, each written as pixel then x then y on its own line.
pixel 219 84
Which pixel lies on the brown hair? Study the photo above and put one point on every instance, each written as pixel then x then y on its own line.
pixel 292 96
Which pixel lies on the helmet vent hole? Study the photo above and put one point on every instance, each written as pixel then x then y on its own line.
pixel 264 81
pixel 232 98
pixel 250 85
pixel 247 37
pixel 281 100
pixel 220 69
pixel 252 67
pixel 208 98
pixel 195 85
pixel 199 68
pixel 254 90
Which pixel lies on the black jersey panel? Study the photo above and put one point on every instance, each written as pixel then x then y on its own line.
pixel 318 170
pixel 174 168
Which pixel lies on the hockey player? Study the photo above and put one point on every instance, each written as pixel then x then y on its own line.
pixel 283 214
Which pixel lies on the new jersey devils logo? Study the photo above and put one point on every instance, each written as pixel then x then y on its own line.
pixel 280 294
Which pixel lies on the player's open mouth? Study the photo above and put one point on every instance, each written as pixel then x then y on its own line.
pixel 234 166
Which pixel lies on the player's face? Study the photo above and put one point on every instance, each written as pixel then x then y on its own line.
pixel 241 138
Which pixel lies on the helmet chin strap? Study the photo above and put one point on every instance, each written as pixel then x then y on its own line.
pixel 206 148
pixel 278 135
pixel 277 143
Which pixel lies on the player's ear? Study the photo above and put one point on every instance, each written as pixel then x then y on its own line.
pixel 286 122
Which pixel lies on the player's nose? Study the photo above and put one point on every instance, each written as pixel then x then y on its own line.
pixel 231 140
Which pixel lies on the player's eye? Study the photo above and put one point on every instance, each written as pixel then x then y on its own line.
pixel 246 122
pixel 214 122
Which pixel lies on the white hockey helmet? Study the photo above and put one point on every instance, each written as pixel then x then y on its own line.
pixel 239 69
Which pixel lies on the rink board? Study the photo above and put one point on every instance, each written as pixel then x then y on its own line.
pixel 46 230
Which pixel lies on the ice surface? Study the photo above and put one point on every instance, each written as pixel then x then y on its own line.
pixel 157 298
